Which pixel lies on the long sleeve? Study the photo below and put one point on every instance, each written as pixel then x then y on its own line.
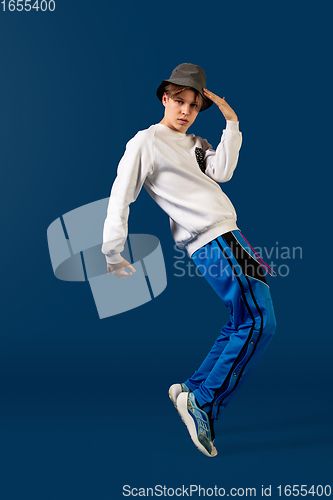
pixel 134 167
pixel 220 164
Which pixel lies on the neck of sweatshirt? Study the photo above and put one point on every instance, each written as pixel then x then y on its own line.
pixel 173 133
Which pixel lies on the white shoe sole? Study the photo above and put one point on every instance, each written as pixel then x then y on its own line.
pixel 174 392
pixel 189 422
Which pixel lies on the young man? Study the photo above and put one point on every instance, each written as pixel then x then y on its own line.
pixel 181 173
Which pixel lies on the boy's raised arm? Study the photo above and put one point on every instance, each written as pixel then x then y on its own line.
pixel 220 164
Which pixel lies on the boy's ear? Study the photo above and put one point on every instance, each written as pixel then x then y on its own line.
pixel 164 98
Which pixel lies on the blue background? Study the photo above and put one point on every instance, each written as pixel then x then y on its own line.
pixel 84 404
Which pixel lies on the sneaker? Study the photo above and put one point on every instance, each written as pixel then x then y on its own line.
pixel 197 423
pixel 175 390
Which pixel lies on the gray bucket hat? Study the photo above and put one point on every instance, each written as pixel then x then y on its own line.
pixel 187 75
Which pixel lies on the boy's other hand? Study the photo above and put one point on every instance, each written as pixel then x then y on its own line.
pixel 118 270
pixel 226 110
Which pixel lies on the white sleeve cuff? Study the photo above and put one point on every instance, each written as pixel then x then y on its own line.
pixel 114 259
pixel 233 126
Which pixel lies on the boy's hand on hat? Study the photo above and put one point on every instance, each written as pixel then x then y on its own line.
pixel 226 110
pixel 118 270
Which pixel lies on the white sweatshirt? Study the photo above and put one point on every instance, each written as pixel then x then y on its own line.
pixel 164 162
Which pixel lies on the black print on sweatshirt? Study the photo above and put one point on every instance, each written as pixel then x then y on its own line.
pixel 199 154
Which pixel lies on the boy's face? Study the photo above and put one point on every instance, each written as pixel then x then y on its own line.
pixel 180 111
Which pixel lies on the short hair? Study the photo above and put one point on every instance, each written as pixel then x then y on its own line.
pixel 172 90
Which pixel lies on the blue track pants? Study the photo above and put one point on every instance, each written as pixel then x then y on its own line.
pixel 231 267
